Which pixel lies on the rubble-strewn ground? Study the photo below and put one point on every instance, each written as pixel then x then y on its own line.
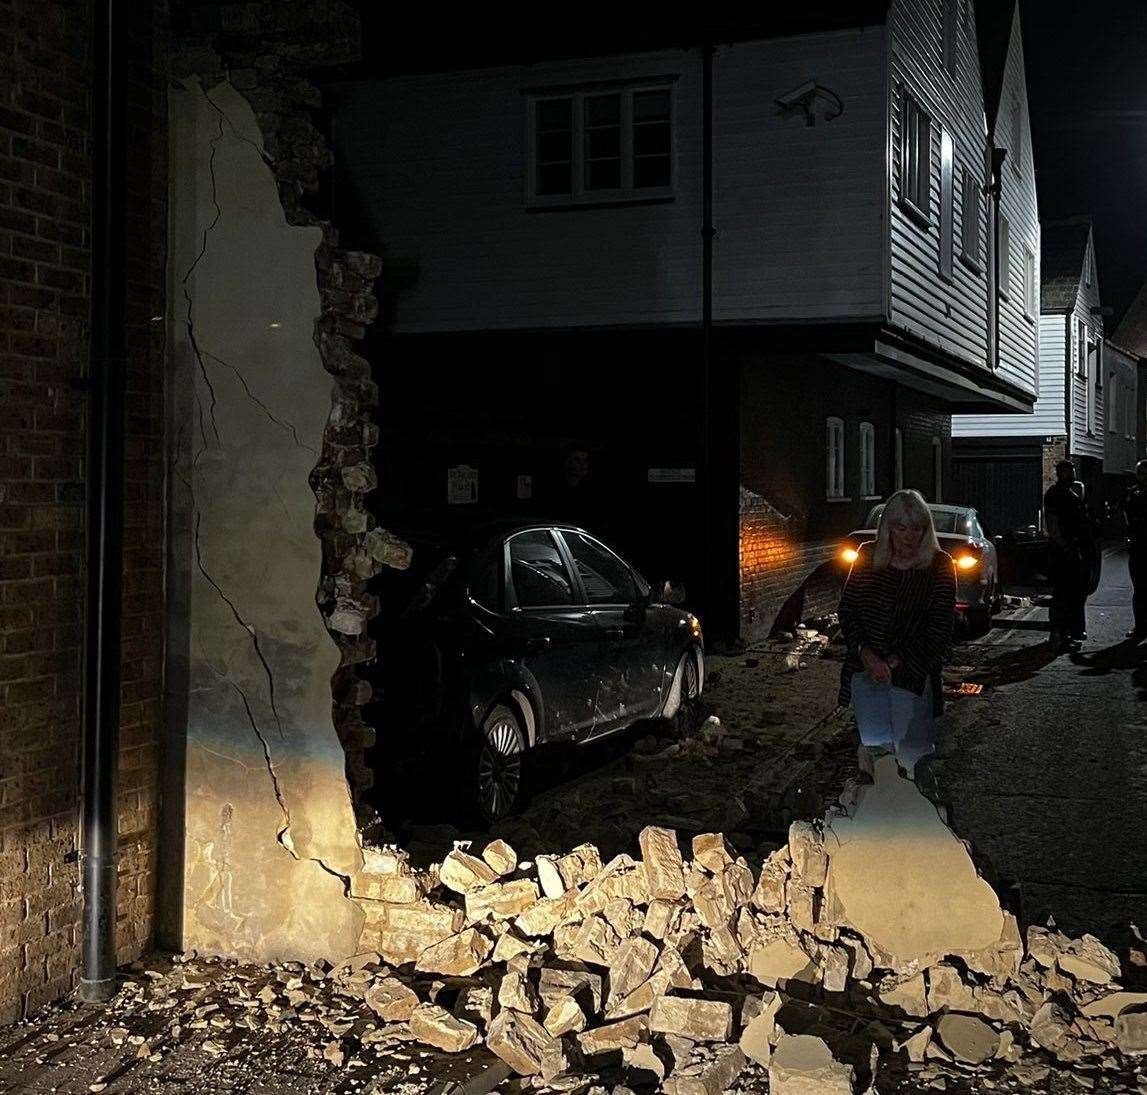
pixel 714 962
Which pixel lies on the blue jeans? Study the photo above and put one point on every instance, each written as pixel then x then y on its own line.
pixel 894 718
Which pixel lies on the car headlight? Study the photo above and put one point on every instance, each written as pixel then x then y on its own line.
pixel 848 555
pixel 967 562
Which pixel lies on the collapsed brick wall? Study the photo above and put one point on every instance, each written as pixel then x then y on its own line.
pixel 269 53
pixel 45 189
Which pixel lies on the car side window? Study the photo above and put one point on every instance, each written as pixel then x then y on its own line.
pixel 977 529
pixel 539 575
pixel 606 578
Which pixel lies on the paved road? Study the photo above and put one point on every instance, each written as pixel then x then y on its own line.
pixel 1045 773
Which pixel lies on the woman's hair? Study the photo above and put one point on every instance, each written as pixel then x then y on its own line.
pixel 905 505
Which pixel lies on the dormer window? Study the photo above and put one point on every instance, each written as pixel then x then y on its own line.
pixel 915 158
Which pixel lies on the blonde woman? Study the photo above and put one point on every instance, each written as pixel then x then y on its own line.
pixel 896 612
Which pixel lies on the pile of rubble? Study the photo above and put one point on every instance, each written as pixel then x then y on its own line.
pixel 869 940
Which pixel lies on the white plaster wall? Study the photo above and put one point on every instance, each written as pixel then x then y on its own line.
pixel 269 822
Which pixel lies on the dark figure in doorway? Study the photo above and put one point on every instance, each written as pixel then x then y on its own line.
pixel 1070 549
pixel 1135 514
pixel 574 493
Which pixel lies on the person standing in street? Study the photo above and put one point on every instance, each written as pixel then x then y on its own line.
pixel 1135 514
pixel 1069 549
pixel 897 612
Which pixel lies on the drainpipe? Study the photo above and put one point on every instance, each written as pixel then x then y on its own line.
pixel 105 504
pixel 707 234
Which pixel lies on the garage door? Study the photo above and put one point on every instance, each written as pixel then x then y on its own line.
pixel 1005 488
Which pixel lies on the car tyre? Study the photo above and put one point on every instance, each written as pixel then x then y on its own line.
pixel 497 767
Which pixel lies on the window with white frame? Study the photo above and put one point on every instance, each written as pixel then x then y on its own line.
pixel 949 9
pixel 1113 403
pixel 947 205
pixel 915 157
pixel 1005 287
pixel 834 458
pixel 1080 349
pixel 602 144
pixel 1030 304
pixel 867 460
pixel 970 206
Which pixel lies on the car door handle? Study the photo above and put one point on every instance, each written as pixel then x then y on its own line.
pixel 538 642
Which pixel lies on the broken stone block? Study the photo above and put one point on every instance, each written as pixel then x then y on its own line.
pixel 554 983
pixel 458 956
pixel 580 867
pixel 400 933
pixel 711 851
pixel 689 1017
pixel 947 991
pixel 915 1045
pixel 436 1027
pixel 1131 1033
pixel 1109 1006
pixel 1051 1027
pixel 509 946
pixel 516 992
pixel 544 917
pixel 777 960
pixel 801 901
pixel 623 916
pixel 862 966
pixel 385 861
pixel 642 1058
pixel 462 872
pixel 664 869
pixel 908 996
pixel 1002 960
pixel 1087 959
pixel 549 877
pixel 1045 945
pixel 761 1031
pixel 500 857
pixel 524 1044
pixel 501 900
pixel 620 877
pixel 902 878
pixel 714 903
pixel 769 894
pixel 967 1038
pixel 739 883
pixel 475 1004
pixel 400 888
pixel 806 849
pixel 802 1064
pixel 661 918
pixel 721 952
pixel 641 998
pixel 632 965
pixel 391 1000
pixel 596 942
pixel 714 1077
pixel 834 963
pixel 564 1017
pixel 614 1036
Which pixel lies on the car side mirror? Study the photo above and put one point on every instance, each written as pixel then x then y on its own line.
pixel 672 593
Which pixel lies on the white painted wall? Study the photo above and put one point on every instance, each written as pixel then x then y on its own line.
pixel 1119 449
pixel 1087 303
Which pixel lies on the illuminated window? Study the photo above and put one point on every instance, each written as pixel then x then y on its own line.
pixel 1005 258
pixel 867 460
pixel 834 458
pixel 947 210
pixel 969 218
pixel 1030 304
pixel 915 158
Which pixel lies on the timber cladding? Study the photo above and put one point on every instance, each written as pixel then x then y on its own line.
pixel 45 191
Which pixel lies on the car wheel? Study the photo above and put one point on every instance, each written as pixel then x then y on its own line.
pixel 499 772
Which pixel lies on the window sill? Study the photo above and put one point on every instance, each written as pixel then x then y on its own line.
pixel 873 498
pixel 837 498
pixel 972 264
pixel 565 205
pixel 922 217
pixel 1029 317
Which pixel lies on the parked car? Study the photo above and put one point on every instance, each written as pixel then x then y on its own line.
pixel 979 592
pixel 514 635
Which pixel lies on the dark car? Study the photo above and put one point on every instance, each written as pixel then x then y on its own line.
pixel 514 635
pixel 979 591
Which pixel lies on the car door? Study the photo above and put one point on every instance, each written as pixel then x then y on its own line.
pixel 551 634
pixel 633 639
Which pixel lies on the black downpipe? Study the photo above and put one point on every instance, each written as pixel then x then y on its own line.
pixel 709 500
pixel 105 502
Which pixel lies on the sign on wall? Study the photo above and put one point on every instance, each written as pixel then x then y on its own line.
pixel 525 487
pixel 461 485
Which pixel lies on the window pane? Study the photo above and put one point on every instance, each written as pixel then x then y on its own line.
pixel 554 148
pixel 485 586
pixel 650 105
pixel 602 143
pixel 554 179
pixel 651 171
pixel 651 137
pixel 924 161
pixel 603 110
pixel 606 578
pixel 555 114
pixel 603 175
pixel 540 577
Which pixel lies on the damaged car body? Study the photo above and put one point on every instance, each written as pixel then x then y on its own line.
pixel 513 635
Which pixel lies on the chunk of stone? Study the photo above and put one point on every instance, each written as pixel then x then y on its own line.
pixel 761 1031
pixel 661 918
pixel 777 960
pixel 915 1045
pixel 501 900
pixel 664 869
pixel 614 1036
pixel 947 991
pixel 632 965
pixel 400 933
pixel 714 902
pixel 436 1027
pixel 458 956
pixel 641 998
pixel 1051 1027
pixel 769 894
pixel 967 1038
pixel 516 992
pixel 715 1076
pixel 908 996
pixel 475 1004
pixel 803 1064
pixel 597 942
pixel 564 1017
pixel 903 879
pixel 620 877
pixel 721 952
pixel 834 963
pixel 583 985
pixel 549 877
pixel 581 866
pixel 1087 959
pixel 1108 1007
pixel 391 1000
pixel 524 1044
pixel 1001 960
pixel 711 851
pixel 500 857
pixel 801 902
pixel 1131 1033
pixel 385 861
pixel 643 1058
pixel 401 888
pixel 806 849
pixel 862 966
pixel 1045 945
pixel 544 917
pixel 623 916
pixel 693 1018
pixel 462 872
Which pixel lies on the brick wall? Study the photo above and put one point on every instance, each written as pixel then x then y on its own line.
pixel 44 305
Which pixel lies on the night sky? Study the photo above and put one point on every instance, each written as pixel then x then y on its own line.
pixel 1087 82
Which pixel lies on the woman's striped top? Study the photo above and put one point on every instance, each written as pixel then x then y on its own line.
pixel 904 612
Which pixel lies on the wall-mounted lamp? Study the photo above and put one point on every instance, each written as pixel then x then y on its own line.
pixel 805 98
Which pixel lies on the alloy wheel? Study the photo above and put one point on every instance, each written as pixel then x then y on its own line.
pixel 500 769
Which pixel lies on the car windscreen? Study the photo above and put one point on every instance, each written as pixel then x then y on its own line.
pixel 947 521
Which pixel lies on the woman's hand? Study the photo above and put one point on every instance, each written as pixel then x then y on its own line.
pixel 875 666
